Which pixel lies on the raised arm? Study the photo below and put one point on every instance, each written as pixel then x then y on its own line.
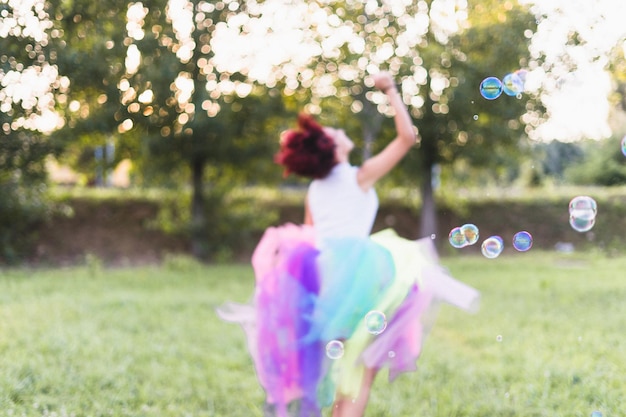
pixel 380 164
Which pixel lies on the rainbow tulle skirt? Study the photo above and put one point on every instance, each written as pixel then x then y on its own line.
pixel 307 327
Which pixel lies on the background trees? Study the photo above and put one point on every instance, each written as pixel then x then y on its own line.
pixel 440 51
pixel 188 111
pixel 28 80
pixel 197 92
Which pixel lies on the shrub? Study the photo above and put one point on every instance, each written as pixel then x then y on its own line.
pixel 233 221
pixel 22 210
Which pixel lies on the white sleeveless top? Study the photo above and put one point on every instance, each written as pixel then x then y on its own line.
pixel 339 207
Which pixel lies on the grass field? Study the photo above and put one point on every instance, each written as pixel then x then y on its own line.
pixel 89 341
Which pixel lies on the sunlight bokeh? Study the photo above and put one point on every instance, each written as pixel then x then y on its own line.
pixel 278 40
pixel 571 50
pixel 29 86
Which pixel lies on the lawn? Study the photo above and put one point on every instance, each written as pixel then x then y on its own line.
pixel 91 341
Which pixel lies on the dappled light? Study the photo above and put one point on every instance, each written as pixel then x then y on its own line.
pixel 28 19
pixel 570 52
pixel 135 15
pixel 31 87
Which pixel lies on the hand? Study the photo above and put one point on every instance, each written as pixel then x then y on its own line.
pixel 383 81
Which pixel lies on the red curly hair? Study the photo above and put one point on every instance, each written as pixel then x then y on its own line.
pixel 307 151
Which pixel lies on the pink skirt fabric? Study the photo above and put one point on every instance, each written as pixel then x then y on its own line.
pixel 305 298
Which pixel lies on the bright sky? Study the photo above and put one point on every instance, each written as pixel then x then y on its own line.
pixel 573 78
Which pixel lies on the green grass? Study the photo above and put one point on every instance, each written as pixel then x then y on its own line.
pixel 88 341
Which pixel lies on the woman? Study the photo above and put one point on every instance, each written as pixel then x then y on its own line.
pixel 318 284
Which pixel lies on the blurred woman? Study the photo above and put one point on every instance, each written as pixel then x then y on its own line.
pixel 333 304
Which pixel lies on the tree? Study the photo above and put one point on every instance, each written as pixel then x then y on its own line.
pixel 189 111
pixel 440 54
pixel 603 163
pixel 89 52
pixel 28 81
pixel 576 60
pixel 556 156
pixel 457 123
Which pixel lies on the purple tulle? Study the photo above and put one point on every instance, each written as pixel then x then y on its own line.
pixel 399 346
pixel 288 285
pixel 304 297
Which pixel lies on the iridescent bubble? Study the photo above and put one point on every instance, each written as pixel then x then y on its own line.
pixel 583 207
pixel 375 322
pixel 492 247
pixel 624 146
pixel 470 231
pixel 512 85
pixel 582 224
pixel 457 238
pixel 491 88
pixel 596 414
pixel 334 349
pixel 475 117
pixel 521 75
pixel 522 241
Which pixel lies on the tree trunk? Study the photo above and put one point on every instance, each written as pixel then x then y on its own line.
pixel 371 122
pixel 428 149
pixel 428 215
pixel 199 245
pixel 368 140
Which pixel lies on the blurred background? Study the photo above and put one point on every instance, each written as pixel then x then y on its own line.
pixel 130 130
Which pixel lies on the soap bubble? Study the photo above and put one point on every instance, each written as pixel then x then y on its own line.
pixel 465 235
pixel 512 85
pixel 491 88
pixel 471 233
pixel 521 74
pixel 457 238
pixel 582 213
pixel 334 349
pixel 522 241
pixel 581 224
pixel 583 207
pixel 375 322
pixel 492 247
pixel 624 146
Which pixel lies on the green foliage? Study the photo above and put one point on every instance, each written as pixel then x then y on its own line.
pixel 147 341
pixel 149 223
pixel 23 210
pixel 90 53
pixel 24 205
pixel 603 164
pixel 234 220
pixel 483 132
pixel 542 211
pixel 181 263
pixel 93 264
pixel 203 124
pixel 553 158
